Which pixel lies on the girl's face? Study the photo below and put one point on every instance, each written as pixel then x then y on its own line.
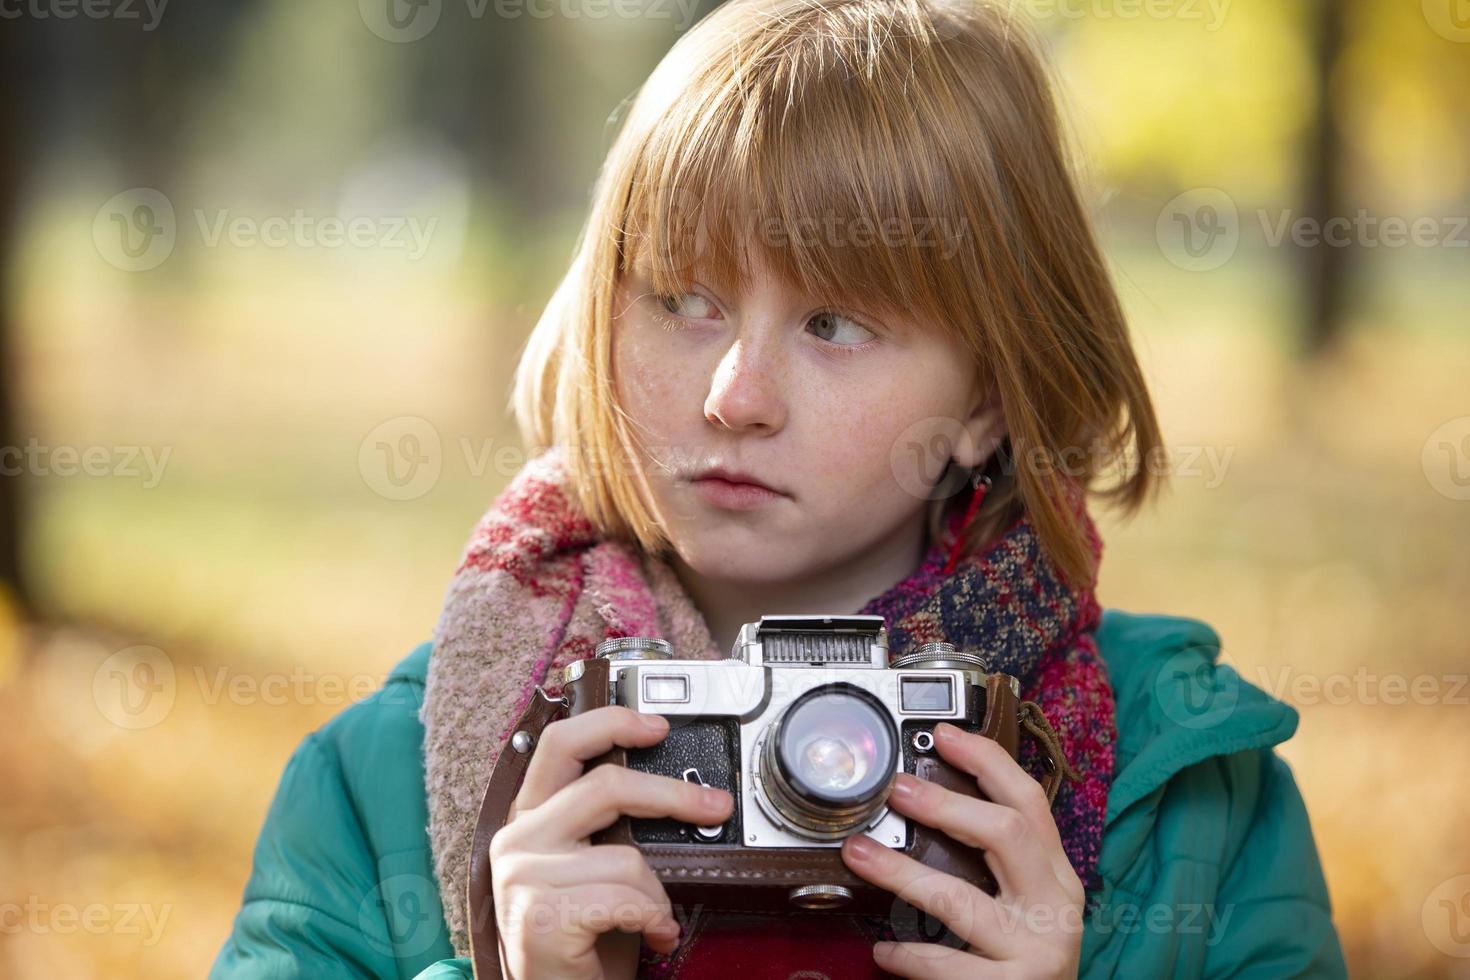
pixel 850 417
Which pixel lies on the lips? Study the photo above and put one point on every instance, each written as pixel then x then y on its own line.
pixel 736 477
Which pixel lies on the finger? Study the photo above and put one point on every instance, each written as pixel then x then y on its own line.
pixel 999 775
pixel 969 913
pixel 596 908
pixel 567 744
pixel 1002 779
pixel 597 799
pixel 621 864
pixel 932 961
pixel 1020 859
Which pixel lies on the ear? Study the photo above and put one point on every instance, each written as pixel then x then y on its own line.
pixel 985 429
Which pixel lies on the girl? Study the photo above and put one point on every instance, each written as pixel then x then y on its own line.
pixel 837 338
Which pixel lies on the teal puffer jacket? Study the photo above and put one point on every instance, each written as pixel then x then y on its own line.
pixel 1208 864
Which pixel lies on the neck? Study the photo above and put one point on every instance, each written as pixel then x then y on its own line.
pixel 842 589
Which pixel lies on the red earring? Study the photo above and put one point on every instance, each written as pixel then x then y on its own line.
pixel 981 484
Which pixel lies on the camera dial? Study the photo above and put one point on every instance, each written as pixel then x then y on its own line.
pixel 635 648
pixel 941 655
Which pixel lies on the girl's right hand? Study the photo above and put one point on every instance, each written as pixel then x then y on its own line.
pixel 568 909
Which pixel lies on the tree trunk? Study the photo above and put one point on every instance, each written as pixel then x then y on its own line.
pixel 1324 265
pixel 12 577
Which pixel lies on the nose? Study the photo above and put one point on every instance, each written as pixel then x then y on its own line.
pixel 746 391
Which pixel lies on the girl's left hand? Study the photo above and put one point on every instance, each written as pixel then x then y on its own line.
pixel 1033 926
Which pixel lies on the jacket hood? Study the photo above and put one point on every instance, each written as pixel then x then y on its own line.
pixel 1177 704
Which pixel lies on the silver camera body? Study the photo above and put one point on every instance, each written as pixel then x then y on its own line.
pixel 806 724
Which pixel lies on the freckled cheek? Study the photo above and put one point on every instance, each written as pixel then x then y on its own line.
pixel 852 436
pixel 654 386
pixel 866 439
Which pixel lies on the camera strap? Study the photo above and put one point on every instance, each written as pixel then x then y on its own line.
pixel 500 793
pixel 1033 720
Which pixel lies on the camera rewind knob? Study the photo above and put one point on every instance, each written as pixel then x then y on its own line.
pixel 635 648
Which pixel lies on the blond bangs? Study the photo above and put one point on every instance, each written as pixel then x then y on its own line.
pixel 823 168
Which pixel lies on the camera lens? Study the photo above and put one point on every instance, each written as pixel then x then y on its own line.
pixel 833 746
pixel 829 759
pixel 829 764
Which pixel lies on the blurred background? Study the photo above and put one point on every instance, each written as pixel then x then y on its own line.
pixel 265 267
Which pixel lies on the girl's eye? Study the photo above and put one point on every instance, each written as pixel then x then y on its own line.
pixel 699 309
pixel 830 325
pixel 842 333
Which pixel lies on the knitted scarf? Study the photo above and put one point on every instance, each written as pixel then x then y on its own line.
pixel 536 589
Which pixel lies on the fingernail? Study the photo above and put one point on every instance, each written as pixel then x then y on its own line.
pixel 715 797
pixel 667 939
pixel 862 846
pixel 904 788
pixel 945 730
pixel 656 723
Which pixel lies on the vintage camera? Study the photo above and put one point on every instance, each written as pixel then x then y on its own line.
pixel 806 724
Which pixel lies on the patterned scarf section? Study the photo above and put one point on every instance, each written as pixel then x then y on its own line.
pixel 536 589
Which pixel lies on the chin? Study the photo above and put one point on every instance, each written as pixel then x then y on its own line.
pixel 738 556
